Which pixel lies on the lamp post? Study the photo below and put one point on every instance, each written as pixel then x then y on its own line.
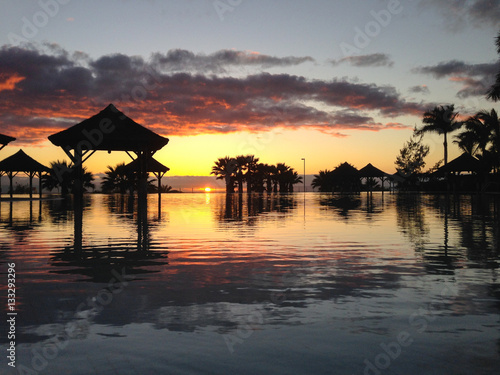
pixel 304 174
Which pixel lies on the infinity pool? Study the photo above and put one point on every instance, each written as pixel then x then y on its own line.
pixel 278 284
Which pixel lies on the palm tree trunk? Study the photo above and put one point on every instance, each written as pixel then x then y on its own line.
pixel 445 144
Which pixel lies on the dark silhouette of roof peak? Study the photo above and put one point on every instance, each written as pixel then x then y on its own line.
pixel 109 130
pixel 21 162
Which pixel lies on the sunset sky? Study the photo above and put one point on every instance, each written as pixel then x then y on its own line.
pixel 326 80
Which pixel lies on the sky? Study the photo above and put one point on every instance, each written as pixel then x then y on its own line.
pixel 326 80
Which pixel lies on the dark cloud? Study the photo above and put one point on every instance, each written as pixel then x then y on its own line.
pixel 456 67
pixel 372 60
pixel 420 89
pixel 475 79
pixel 41 93
pixel 218 62
pixel 459 13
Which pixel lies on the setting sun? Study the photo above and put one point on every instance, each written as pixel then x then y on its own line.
pixel 208 190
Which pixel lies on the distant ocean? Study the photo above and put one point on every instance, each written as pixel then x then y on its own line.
pixel 182 183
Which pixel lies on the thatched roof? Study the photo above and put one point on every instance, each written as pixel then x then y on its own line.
pixel 464 163
pixel 153 166
pixel 346 170
pixel 370 171
pixel 21 162
pixel 4 139
pixel 109 130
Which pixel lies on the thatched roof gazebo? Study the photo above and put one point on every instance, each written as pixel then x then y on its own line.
pixel 370 171
pixel 4 140
pixel 346 178
pixel 463 163
pixel 109 130
pixel 154 166
pixel 21 162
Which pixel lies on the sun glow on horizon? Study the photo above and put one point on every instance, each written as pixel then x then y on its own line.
pixel 208 190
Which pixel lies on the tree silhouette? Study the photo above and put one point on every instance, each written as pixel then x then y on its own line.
pixel 481 138
pixel 251 163
pixel 118 179
pixel 62 177
pixel 475 138
pixel 259 177
pixel 441 120
pixel 494 92
pixel 410 161
pixel 323 181
pixel 225 169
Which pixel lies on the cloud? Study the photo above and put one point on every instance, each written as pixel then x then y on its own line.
pixel 475 79
pixel 420 89
pixel 45 91
pixel 459 13
pixel 220 61
pixel 372 60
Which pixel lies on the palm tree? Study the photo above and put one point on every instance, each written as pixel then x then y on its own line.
pixel 494 91
pixel 475 138
pixel 273 170
pixel 118 179
pixel 87 179
pixel 259 177
pixel 241 166
pixel 62 177
pixel 251 163
pixel 281 171
pixel 291 178
pixel 225 169
pixel 59 177
pixel 492 123
pixel 323 181
pixel 166 188
pixel 441 120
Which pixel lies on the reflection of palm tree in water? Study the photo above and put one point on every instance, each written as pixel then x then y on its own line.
pixel 234 209
pixel 344 203
pixel 411 219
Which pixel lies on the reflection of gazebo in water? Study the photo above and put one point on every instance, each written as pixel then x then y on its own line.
pixel 110 130
pixel 4 140
pixel 370 172
pixel 17 225
pixel 21 162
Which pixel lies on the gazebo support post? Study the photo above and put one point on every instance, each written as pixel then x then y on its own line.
pixel 31 184
pixel 11 176
pixel 78 199
pixel 158 176
pixel 40 185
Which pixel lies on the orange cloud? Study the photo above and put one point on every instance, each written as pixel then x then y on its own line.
pixel 9 83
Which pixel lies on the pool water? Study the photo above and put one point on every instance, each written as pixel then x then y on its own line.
pixel 274 284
